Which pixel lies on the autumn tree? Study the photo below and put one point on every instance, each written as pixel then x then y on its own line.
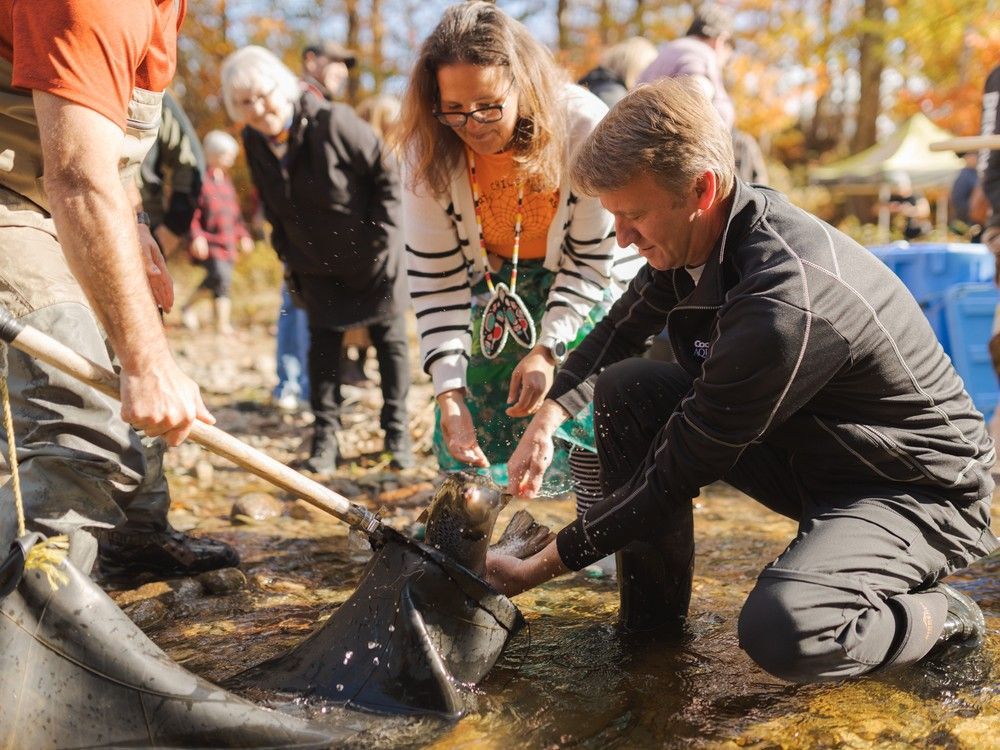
pixel 871 64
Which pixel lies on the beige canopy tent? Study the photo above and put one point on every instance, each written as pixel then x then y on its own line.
pixel 908 151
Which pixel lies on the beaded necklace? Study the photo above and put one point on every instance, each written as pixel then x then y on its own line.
pixel 505 313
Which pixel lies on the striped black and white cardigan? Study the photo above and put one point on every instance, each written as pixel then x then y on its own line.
pixel 445 261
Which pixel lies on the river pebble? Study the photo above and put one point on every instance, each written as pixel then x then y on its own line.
pixel 185 589
pixel 303 511
pixel 223 581
pixel 258 506
pixel 146 613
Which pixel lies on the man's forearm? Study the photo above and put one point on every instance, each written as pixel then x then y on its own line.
pixel 549 416
pixel 95 221
pixel 97 230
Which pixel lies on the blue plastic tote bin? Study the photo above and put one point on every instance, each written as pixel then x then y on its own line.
pixel 928 269
pixel 968 312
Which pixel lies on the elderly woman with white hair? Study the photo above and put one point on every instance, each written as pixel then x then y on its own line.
pixel 332 201
pixel 217 230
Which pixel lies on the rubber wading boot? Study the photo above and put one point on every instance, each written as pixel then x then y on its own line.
pixel 130 553
pixel 964 623
pixel 324 453
pixel 399 445
pixel 654 591
pixel 76 672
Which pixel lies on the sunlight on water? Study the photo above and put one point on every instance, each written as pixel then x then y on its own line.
pixel 570 679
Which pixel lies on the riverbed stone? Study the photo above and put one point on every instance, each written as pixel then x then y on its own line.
pixel 223 581
pixel 186 589
pixel 146 613
pixel 303 511
pixel 258 506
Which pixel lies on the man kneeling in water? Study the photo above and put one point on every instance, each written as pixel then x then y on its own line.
pixel 806 376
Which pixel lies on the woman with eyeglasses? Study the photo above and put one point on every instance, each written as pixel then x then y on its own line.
pixel 507 267
pixel 332 201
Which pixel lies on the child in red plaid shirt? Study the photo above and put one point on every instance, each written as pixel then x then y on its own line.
pixel 217 232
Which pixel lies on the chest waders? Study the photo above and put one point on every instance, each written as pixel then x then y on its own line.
pixel 75 671
pixel 418 625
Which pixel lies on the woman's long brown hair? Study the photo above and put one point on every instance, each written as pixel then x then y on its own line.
pixel 479 33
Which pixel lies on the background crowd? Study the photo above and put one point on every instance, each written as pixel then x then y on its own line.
pixel 339 231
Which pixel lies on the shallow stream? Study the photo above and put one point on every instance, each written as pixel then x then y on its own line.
pixel 570 679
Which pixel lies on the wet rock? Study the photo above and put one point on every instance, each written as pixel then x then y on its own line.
pixel 257 506
pixel 303 511
pixel 146 613
pixel 266 582
pixel 182 520
pixel 223 581
pixel 185 589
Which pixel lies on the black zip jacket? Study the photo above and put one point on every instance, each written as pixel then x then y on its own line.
pixel 797 336
pixel 333 203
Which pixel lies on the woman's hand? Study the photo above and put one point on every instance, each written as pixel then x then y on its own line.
pixel 534 451
pixel 458 430
pixel 530 381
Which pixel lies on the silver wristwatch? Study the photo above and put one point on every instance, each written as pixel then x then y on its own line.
pixel 558 350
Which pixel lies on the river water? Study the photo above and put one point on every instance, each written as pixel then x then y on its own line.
pixel 569 679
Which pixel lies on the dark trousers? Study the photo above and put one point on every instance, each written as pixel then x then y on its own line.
pixel 845 597
pixel 392 351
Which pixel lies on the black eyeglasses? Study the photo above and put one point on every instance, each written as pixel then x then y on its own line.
pixel 482 115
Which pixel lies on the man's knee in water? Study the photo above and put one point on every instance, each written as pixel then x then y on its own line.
pixel 789 634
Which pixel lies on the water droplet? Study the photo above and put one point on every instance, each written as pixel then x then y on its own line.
pixel 340 688
pixel 375 661
pixel 372 644
pixel 347 656
pixel 392 628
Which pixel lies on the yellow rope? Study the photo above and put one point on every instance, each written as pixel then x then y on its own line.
pixel 8 423
pixel 48 555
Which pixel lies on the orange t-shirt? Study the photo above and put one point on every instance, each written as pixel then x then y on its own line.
pixel 495 174
pixel 92 52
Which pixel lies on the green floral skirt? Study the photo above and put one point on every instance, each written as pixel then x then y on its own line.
pixel 489 381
